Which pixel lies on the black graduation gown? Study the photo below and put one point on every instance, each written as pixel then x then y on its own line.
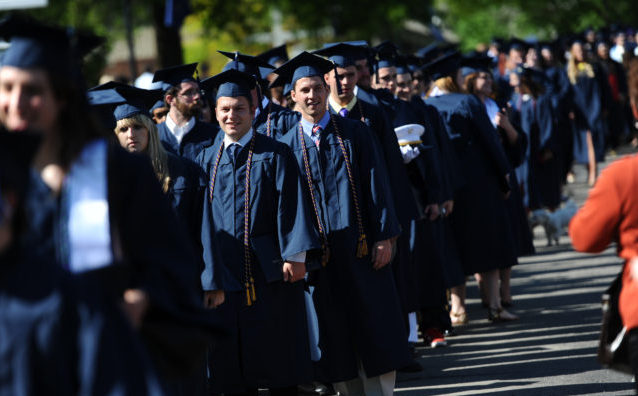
pixel 268 346
pixel 202 135
pixel 560 92
pixel 60 339
pixel 155 256
pixel 374 115
pixel 479 219
pixel 588 109
pixel 357 307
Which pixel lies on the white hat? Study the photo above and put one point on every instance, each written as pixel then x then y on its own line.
pixel 409 134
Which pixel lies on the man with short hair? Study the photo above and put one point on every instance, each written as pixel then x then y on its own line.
pixel 361 331
pixel 182 133
pixel 257 229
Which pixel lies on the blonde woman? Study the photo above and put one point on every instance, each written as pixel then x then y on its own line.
pixel 587 114
pixel 137 133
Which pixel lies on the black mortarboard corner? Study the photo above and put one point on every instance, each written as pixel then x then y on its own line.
pixel 55 49
pixel 518 45
pixel 443 66
pixel 281 82
pixel 274 55
pixel 342 54
pixel 302 65
pixel 176 75
pixel 231 83
pixel 434 51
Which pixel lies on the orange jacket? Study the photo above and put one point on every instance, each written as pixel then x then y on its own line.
pixel 611 214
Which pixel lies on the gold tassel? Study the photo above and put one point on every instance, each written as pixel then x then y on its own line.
pixel 252 289
pixel 325 256
pixel 362 246
pixel 249 302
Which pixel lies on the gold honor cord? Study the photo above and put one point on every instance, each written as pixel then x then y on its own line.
pixel 362 244
pixel 249 281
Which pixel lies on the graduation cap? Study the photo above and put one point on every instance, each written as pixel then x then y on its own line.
pixel 536 76
pixel 434 51
pixel 230 83
pixel 176 75
pixel 274 55
pixel 53 48
pixel 245 63
pixel 343 54
pixel 443 66
pixel 136 100
pixel 281 82
pixel 476 63
pixel 302 65
pixel 386 54
pixel 517 44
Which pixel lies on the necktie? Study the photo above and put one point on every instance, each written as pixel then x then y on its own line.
pixel 316 131
pixel 343 112
pixel 233 151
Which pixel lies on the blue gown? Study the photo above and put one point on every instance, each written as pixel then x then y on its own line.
pixel 58 338
pixel 268 345
pixel 358 308
pixel 275 120
pixel 155 256
pixel 202 135
pixel 560 92
pixel 480 221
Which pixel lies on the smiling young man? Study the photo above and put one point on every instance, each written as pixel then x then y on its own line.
pixel 256 230
pixel 181 132
pixel 361 332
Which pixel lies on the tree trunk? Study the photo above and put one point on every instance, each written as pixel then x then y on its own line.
pixel 168 40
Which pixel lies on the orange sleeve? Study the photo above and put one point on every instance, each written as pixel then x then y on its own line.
pixel 596 223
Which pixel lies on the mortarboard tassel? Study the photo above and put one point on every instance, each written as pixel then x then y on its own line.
pixel 337 78
pixel 362 246
pixel 249 302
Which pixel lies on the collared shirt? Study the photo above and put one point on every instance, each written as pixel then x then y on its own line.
pixel 336 106
pixel 307 125
pixel 179 131
pixel 264 105
pixel 298 257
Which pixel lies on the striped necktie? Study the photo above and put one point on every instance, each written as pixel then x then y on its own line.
pixel 316 131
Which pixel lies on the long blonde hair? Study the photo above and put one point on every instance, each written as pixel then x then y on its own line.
pixel 155 151
pixel 445 84
pixel 576 69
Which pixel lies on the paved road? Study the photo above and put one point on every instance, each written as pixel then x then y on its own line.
pixel 551 350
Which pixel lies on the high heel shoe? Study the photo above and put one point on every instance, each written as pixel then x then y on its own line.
pixel 496 315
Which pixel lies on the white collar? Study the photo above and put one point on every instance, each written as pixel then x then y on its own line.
pixel 178 131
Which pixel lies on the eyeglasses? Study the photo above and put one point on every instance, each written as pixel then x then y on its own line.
pixel 189 94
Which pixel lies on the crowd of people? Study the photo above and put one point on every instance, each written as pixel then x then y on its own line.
pixel 295 224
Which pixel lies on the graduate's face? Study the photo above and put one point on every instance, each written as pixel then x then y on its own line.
pixel 404 87
pixel 603 51
pixel 363 73
pixel 159 114
pixel 235 115
pixel 387 78
pixel 577 52
pixel 27 100
pixel 132 135
pixel 188 100
pixel 347 77
pixel 546 53
pixel 483 83
pixel 309 95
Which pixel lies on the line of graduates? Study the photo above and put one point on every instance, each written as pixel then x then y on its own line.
pixel 270 245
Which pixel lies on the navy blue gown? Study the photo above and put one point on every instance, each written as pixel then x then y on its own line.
pixel 202 135
pixel 480 221
pixel 358 308
pixel 155 255
pixel 275 120
pixel 59 338
pixel 268 345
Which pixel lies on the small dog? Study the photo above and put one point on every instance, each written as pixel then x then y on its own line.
pixel 554 223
